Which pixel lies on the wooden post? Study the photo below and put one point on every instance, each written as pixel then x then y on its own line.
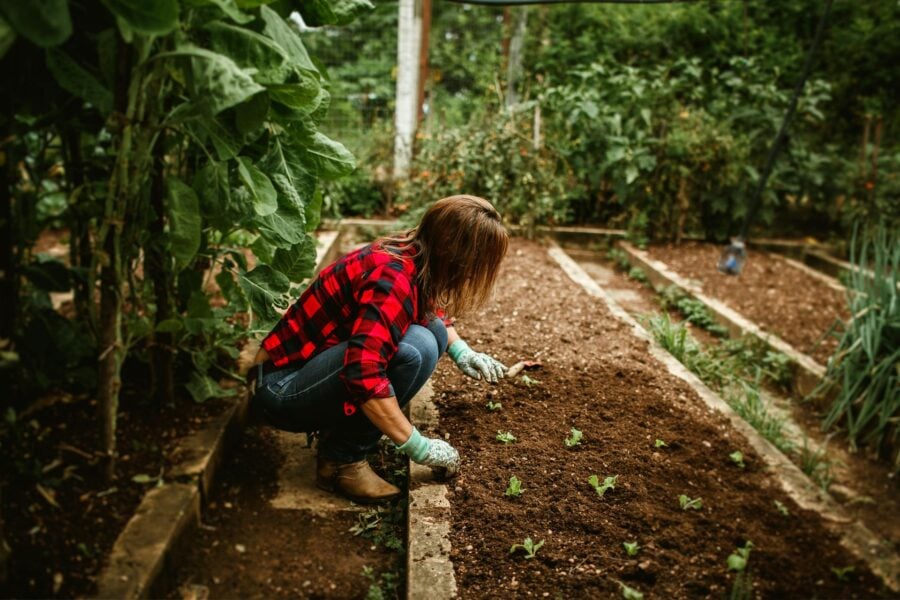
pixel 516 45
pixel 423 54
pixel 406 114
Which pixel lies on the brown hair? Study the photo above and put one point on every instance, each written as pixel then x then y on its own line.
pixel 459 245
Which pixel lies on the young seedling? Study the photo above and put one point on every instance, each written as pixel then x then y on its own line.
pixel 528 546
pixel 529 381
pixel 629 593
pixel 738 560
pixel 601 488
pixel 492 406
pixel 660 444
pixel 842 572
pixel 505 437
pixel 631 548
pixel 574 438
pixel 737 457
pixel 687 502
pixel 514 489
pixel 782 508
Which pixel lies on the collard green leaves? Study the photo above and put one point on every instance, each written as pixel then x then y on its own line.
pixel 333 12
pixel 76 80
pixel 260 187
pixel 42 22
pixel 265 288
pixel 184 221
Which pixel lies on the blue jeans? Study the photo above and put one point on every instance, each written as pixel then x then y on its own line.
pixel 311 397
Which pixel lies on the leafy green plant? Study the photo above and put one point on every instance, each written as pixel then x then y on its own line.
pixel 742 589
pixel 383 586
pixel 686 502
pixel 492 406
pixel 863 369
pixel 574 438
pixel 506 437
pixel 737 457
pixel 609 483
pixel 631 548
pixel 694 310
pixel 528 546
pixel 638 275
pixel 619 257
pixel 658 443
pixel 514 489
pixel 816 464
pixel 738 560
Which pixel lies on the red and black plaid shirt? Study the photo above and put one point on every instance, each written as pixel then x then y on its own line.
pixel 368 298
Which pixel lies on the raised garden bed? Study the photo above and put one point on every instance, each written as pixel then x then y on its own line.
pixel 784 300
pixel 597 377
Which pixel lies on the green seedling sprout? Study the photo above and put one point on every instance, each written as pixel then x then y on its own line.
pixel 737 457
pixel 528 546
pixel 660 444
pixel 601 488
pixel 574 438
pixel 782 508
pixel 505 437
pixel 631 548
pixel 738 560
pixel 529 381
pixel 629 593
pixel 842 572
pixel 514 489
pixel 492 406
pixel 687 502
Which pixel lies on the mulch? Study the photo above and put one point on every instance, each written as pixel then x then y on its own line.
pixel 596 377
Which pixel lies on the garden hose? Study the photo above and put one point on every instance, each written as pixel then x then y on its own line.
pixel 733 257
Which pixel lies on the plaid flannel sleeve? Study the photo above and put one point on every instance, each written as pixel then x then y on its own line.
pixel 385 313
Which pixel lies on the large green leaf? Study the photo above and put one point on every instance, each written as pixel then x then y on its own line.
pixel 286 36
pixel 294 180
pixel 265 289
pixel 251 50
pixel 333 12
pixel 185 225
pixel 77 80
pixel 314 211
pixel 228 7
pixel 42 22
pixel 203 387
pixel 284 227
pixel 218 83
pixel 150 17
pixel 211 129
pixel 265 200
pixel 249 116
pixel 298 261
pixel 304 95
pixel 330 158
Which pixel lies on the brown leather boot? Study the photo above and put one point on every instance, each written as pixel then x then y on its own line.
pixel 356 480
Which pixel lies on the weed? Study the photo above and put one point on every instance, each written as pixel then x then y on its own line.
pixel 619 257
pixel 514 489
pixel 492 406
pixel 686 502
pixel 574 438
pixel 737 457
pixel 817 465
pixel 660 444
pixel 782 508
pixel 842 572
pixel 638 275
pixel 609 483
pixel 738 560
pixel 528 546
pixel 694 310
pixel 742 589
pixel 383 586
pixel 366 521
pixel 631 548
pixel 748 403
pixel 505 436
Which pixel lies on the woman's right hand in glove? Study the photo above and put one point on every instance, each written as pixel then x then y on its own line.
pixel 431 452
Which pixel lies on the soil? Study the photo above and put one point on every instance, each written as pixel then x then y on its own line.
pixel 248 549
pixel 61 515
pixel 782 299
pixel 598 378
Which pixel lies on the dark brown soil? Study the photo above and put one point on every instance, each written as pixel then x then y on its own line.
pixel 781 299
pixel 248 549
pixel 598 378
pixel 60 514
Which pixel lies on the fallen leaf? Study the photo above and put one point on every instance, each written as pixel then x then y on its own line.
pixel 49 495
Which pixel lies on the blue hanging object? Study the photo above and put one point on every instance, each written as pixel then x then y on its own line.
pixel 732 260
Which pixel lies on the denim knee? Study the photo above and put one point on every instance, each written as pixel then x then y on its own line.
pixel 439 331
pixel 419 345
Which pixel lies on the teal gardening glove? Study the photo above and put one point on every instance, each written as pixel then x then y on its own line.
pixel 475 364
pixel 431 452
